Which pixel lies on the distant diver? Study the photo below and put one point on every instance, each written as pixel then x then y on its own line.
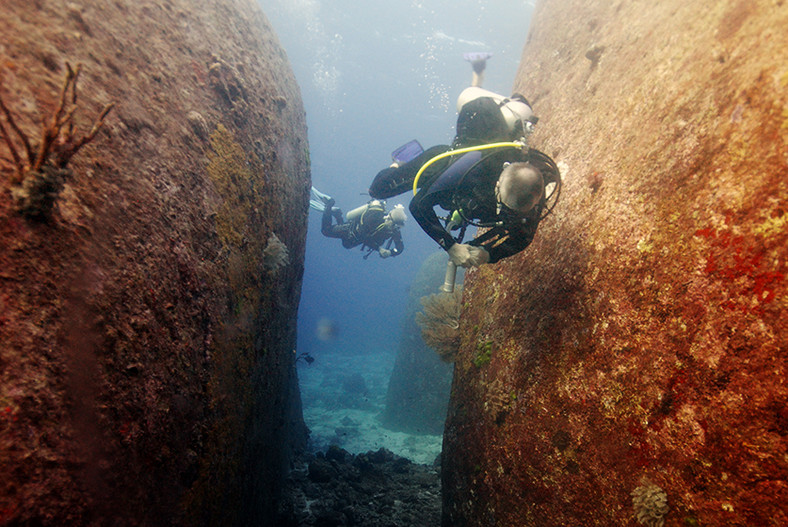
pixel 306 357
pixel 326 329
pixel 369 226
pixel 488 178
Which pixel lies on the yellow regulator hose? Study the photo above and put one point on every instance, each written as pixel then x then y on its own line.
pixel 465 150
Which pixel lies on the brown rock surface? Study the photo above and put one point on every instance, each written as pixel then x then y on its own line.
pixel 147 327
pixel 639 346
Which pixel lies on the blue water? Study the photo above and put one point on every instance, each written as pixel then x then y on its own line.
pixel 374 75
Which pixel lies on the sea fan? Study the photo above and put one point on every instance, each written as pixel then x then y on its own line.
pixel 440 323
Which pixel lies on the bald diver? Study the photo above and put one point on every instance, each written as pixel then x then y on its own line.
pixel 488 177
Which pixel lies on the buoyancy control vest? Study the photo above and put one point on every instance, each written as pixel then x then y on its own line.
pixel 366 220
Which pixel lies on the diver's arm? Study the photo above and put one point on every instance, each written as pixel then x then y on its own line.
pixel 396 239
pixel 502 241
pixel 394 180
pixel 498 249
pixel 327 226
pixel 422 208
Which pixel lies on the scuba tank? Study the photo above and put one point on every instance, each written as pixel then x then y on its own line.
pixel 359 211
pixel 514 111
pixel 367 219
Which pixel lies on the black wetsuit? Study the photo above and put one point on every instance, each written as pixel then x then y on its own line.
pixel 369 230
pixel 466 183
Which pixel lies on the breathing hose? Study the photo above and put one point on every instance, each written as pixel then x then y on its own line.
pixel 508 144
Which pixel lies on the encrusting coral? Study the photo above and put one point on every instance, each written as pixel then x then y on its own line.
pixel 226 81
pixel 39 173
pixel 499 400
pixel 440 323
pixel 650 504
pixel 275 254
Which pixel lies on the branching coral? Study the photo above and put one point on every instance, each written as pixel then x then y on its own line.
pixel 39 173
pixel 440 323
pixel 275 254
pixel 650 504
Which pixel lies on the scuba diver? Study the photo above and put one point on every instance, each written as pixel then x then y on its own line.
pixel 369 225
pixel 488 177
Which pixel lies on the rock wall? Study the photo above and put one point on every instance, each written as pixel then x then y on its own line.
pixel 147 321
pixel 418 391
pixel 639 346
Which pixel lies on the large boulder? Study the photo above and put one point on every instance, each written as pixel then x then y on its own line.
pixel 639 346
pixel 148 303
pixel 418 390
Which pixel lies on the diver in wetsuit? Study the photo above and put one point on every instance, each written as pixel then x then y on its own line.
pixel 368 226
pixel 484 179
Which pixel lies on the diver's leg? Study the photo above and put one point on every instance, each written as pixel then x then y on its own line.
pixel 478 72
pixel 478 62
pixel 391 182
pixel 327 227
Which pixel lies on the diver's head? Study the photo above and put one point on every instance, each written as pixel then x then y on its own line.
pixel 520 187
pixel 397 215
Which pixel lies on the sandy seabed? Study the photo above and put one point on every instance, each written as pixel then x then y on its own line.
pixel 344 396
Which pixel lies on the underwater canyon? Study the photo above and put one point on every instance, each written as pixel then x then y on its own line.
pixel 628 368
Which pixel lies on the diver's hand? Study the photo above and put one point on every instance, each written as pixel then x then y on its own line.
pixel 479 256
pixel 464 255
pixel 384 253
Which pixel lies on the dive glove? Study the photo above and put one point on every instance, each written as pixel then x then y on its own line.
pixel 464 255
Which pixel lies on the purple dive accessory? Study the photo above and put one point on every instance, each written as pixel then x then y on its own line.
pixel 476 56
pixel 407 152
